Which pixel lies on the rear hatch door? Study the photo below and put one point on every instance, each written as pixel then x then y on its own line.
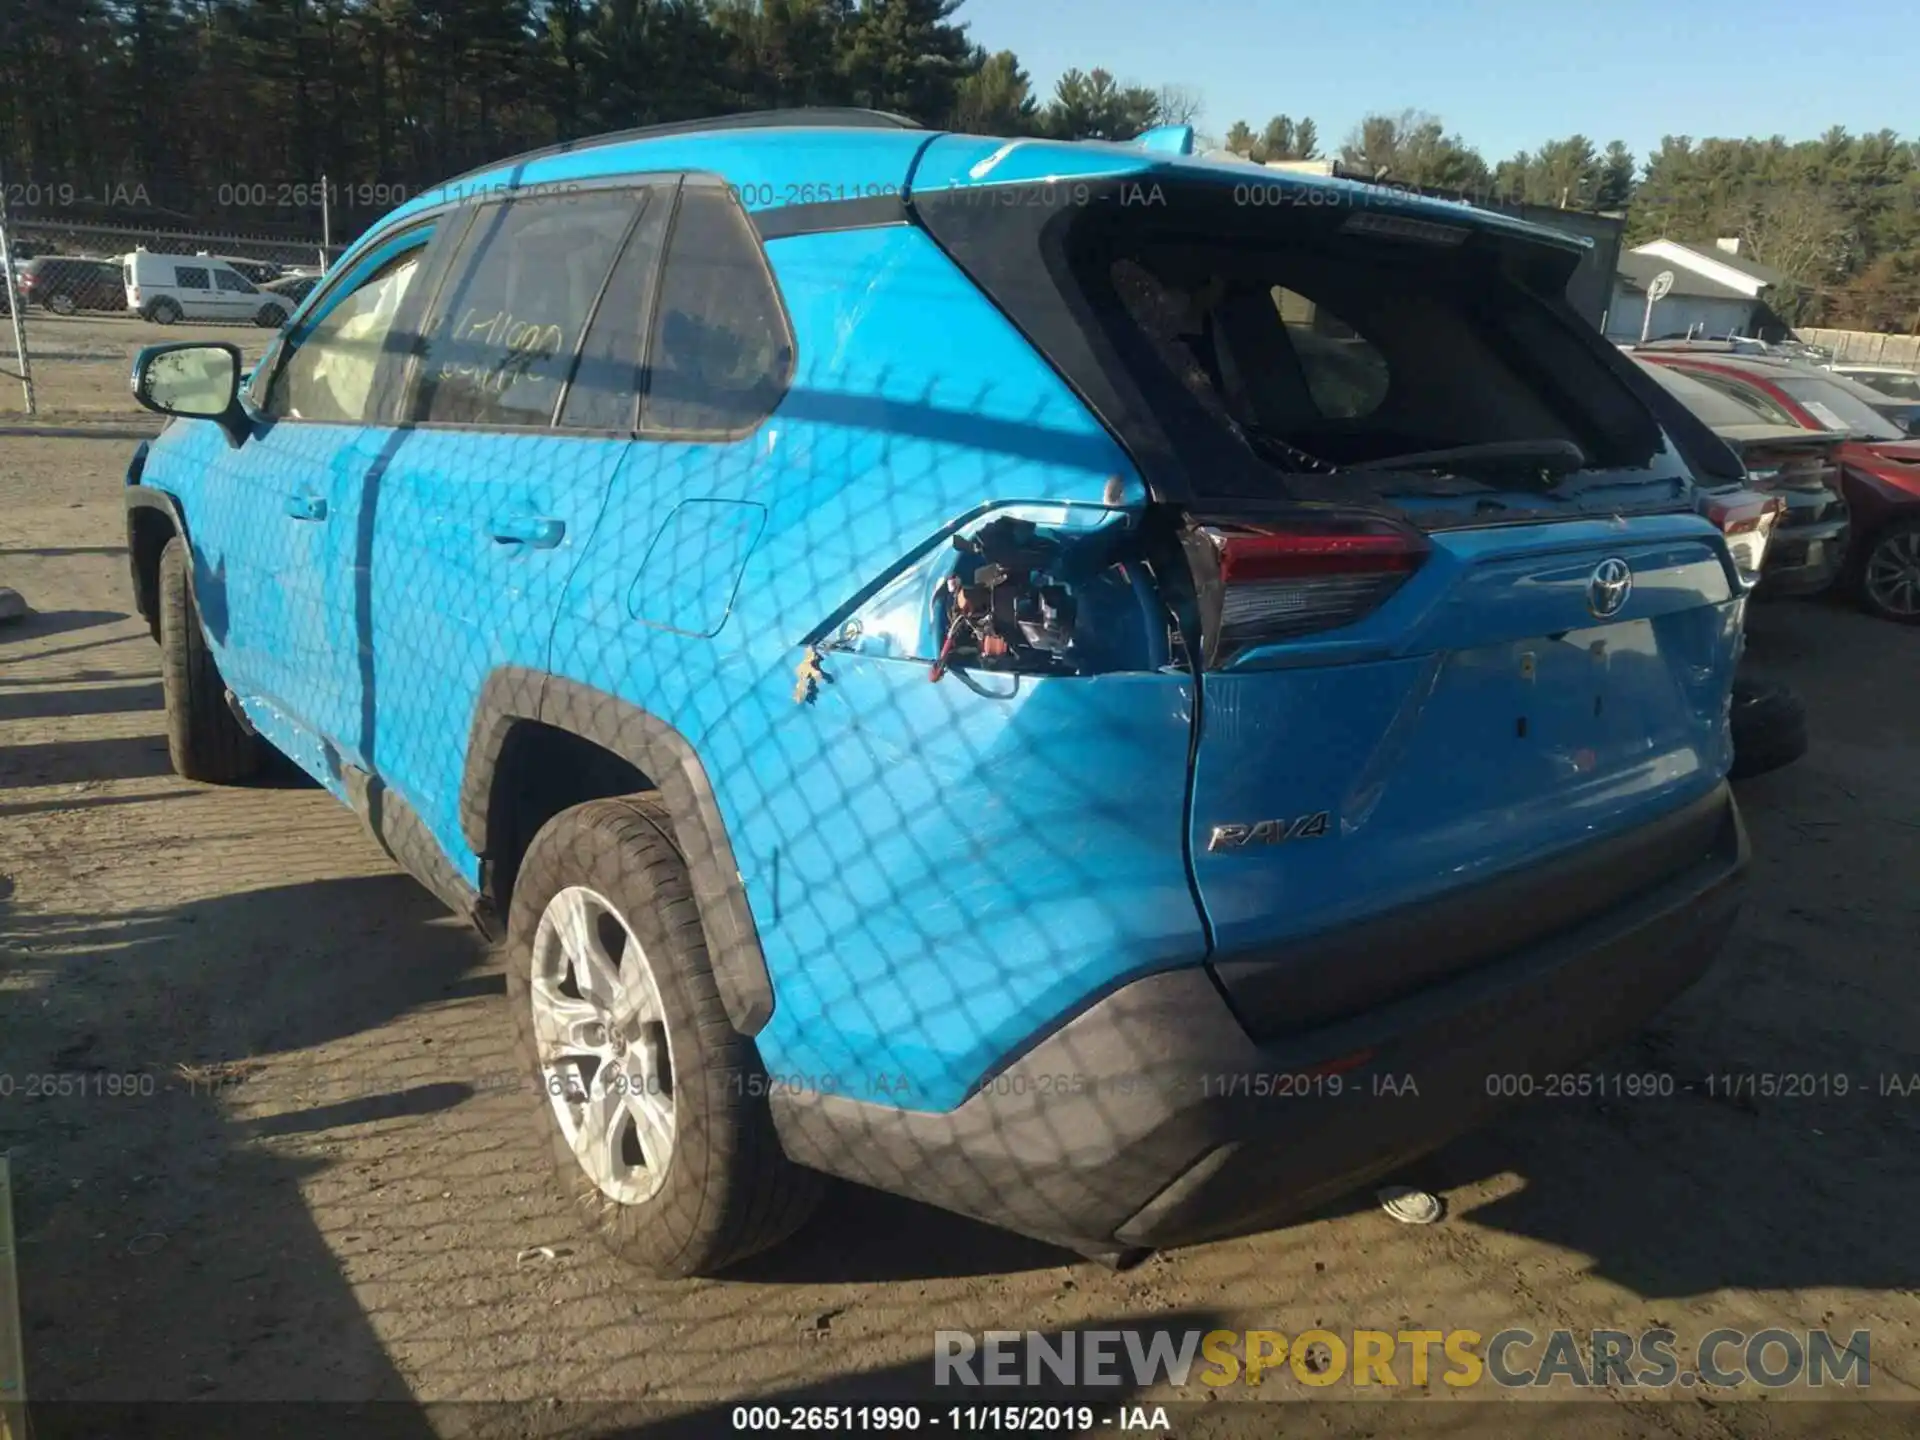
pixel 1464 645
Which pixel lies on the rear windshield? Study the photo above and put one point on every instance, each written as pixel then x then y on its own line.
pixel 1234 346
pixel 1894 385
pixel 1717 408
pixel 1832 406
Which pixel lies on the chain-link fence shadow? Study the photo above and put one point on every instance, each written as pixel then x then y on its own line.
pixel 813 853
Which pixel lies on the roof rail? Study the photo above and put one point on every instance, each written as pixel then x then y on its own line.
pixel 842 117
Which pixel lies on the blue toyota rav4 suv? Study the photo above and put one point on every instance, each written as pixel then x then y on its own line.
pixel 1117 693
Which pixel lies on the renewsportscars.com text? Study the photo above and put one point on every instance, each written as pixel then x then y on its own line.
pixel 1581 1359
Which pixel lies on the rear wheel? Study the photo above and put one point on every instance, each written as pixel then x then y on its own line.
pixel 205 739
pixel 1890 573
pixel 1769 725
pixel 652 1103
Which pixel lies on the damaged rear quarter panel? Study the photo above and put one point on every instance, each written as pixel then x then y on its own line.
pixel 935 871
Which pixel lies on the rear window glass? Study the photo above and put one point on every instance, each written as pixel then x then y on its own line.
pixel 517 298
pixel 1356 362
pixel 1757 404
pixel 1894 387
pixel 1834 407
pixel 1345 375
pixel 1715 407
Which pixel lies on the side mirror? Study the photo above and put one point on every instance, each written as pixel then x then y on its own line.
pixel 199 380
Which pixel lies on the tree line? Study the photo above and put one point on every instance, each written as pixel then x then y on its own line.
pixel 225 111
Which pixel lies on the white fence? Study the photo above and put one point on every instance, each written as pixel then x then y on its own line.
pixel 1866 347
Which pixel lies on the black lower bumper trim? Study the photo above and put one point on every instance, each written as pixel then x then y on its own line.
pixel 1152 1119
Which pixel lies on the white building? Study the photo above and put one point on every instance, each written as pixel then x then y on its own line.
pixel 1716 291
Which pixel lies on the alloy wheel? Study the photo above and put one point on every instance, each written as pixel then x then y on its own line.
pixel 604 1051
pixel 1893 573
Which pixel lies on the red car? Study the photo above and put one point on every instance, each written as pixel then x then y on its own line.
pixel 1880 467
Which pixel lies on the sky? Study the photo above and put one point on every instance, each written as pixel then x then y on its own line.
pixel 1505 74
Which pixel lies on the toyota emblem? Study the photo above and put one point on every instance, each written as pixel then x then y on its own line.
pixel 1609 587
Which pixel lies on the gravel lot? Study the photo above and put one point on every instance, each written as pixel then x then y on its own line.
pixel 324 1187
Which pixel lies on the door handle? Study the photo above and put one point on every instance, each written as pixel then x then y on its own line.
pixel 306 507
pixel 541 532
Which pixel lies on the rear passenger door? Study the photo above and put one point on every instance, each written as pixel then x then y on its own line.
pixel 518 418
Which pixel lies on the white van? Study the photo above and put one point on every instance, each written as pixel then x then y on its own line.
pixel 166 288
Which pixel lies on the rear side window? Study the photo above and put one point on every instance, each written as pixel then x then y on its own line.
pixel 604 393
pixel 191 277
pixel 516 301
pixel 233 284
pixel 1346 377
pixel 721 354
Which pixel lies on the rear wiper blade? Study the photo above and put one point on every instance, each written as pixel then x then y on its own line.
pixel 1559 456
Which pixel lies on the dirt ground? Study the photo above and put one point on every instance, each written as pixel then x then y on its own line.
pixel 284 1158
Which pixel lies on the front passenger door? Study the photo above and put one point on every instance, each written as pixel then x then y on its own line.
pixel 294 492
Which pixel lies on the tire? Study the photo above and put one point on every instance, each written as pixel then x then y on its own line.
pixel 205 739
pixel 1888 582
pixel 270 317
pixel 1769 728
pixel 163 312
pixel 726 1189
pixel 62 303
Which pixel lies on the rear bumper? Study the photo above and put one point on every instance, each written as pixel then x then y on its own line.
pixel 1804 559
pixel 1152 1119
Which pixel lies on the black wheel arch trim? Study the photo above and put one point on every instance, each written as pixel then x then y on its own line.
pixel 513 694
pixel 145 497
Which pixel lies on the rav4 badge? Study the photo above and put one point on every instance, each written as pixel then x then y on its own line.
pixel 1268 832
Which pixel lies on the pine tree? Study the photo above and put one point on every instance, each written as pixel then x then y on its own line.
pixel 997 99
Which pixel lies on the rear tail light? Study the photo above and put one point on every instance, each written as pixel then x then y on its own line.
pixel 1746 518
pixel 1270 581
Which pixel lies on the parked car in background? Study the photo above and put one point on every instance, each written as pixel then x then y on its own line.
pixel 167 288
pixel 292 288
pixel 1903 411
pixel 1894 381
pixel 1879 467
pixel 67 284
pixel 260 272
pixel 1800 467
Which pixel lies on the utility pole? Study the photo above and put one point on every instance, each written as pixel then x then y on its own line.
pixel 14 303
pixel 326 223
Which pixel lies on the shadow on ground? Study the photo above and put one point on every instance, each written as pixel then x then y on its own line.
pixel 132 1184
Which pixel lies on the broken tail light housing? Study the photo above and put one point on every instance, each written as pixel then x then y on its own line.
pixel 1747 518
pixel 1278 580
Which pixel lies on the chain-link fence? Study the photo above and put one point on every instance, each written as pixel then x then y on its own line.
pixel 85 297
